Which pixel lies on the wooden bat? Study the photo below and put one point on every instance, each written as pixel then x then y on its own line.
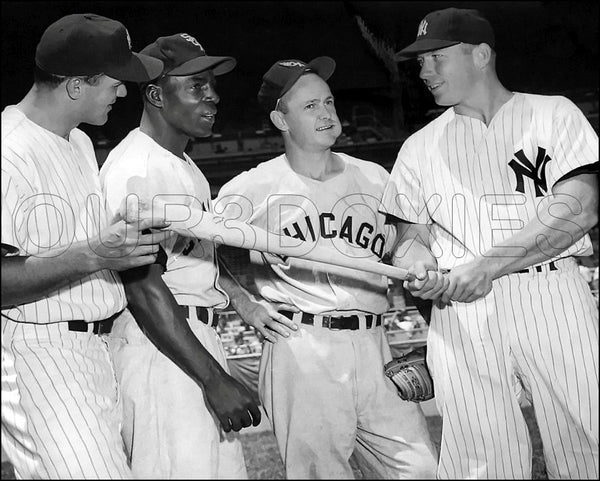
pixel 195 222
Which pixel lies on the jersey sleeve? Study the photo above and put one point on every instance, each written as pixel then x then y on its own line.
pixel 234 200
pixel 402 196
pixel 575 143
pixel 16 189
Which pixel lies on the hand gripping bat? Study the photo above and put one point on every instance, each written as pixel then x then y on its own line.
pixel 195 222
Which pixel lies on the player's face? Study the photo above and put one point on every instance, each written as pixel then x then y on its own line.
pixel 189 103
pixel 99 98
pixel 311 116
pixel 449 74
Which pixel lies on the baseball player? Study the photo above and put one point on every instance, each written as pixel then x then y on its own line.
pixel 323 386
pixel 60 417
pixel 500 190
pixel 176 390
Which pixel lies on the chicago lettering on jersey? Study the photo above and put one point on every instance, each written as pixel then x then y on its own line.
pixel 327 227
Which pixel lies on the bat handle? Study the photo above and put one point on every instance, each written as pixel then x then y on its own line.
pixel 411 277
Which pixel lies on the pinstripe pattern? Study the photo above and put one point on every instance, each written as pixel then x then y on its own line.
pixel 59 404
pixel 51 196
pixel 454 173
pixel 536 334
pixel 60 417
pixel 549 337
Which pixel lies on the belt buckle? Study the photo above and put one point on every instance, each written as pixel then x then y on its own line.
pixel 327 323
pixel 103 327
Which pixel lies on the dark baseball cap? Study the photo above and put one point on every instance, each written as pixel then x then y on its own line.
pixel 89 44
pixel 283 75
pixel 182 54
pixel 447 27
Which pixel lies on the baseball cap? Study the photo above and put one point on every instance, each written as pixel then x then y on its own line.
pixel 182 54
pixel 447 27
pixel 89 44
pixel 283 75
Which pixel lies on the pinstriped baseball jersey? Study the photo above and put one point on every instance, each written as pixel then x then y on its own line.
pixel 478 185
pixel 536 332
pixel 341 211
pixel 60 414
pixel 60 411
pixel 51 197
pixel 140 166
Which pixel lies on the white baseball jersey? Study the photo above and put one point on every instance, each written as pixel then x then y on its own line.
pixel 536 332
pixel 169 432
pixel 339 212
pixel 478 185
pixel 51 197
pixel 60 416
pixel 139 166
pixel 301 375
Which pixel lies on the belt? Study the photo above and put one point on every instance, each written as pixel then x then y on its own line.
pixel 204 315
pixel 550 266
pixel 98 327
pixel 335 323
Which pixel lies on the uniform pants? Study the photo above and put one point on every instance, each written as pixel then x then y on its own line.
pixel 536 333
pixel 326 395
pixel 169 432
pixel 60 411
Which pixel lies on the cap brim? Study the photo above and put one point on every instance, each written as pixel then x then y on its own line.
pixel 219 66
pixel 422 46
pixel 322 66
pixel 139 68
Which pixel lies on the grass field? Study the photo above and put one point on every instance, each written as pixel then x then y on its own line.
pixel 263 460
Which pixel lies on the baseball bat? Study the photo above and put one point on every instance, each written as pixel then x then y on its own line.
pixel 194 222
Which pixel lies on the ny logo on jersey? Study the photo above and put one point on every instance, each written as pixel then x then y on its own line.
pixel 422 28
pixel 522 167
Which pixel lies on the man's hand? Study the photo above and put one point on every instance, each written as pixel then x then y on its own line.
pixel 429 283
pixel 123 246
pixel 468 282
pixel 264 316
pixel 231 402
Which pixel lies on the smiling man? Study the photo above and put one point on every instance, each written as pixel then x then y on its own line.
pixel 60 289
pixel 322 385
pixel 504 186
pixel 177 393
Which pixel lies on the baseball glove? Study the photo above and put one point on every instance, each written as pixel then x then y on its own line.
pixel 410 375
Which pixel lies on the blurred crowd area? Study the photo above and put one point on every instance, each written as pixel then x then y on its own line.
pixel 371 120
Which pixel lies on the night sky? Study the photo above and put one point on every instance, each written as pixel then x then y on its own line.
pixel 542 47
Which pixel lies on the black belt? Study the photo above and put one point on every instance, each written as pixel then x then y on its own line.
pixel 551 266
pixel 98 327
pixel 203 315
pixel 341 322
